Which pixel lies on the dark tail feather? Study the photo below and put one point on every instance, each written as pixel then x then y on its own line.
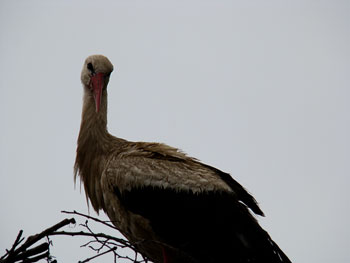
pixel 280 253
pixel 241 193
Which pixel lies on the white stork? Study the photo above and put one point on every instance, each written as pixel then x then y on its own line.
pixel 172 207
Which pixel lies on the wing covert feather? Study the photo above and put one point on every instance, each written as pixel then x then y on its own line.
pixel 159 165
pixel 138 171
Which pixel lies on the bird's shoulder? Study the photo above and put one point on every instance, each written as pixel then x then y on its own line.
pixel 140 164
pixel 153 150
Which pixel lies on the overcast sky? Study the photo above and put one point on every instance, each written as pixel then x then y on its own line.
pixel 259 89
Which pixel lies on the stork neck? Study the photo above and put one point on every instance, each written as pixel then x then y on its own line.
pixel 93 129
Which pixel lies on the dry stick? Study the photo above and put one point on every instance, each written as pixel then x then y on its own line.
pixel 13 254
pixel 98 255
pixel 22 253
pixel 35 238
pixel 122 241
pixel 37 258
pixel 15 244
pixel 96 236
pixel 31 252
pixel 102 235
pixel 89 217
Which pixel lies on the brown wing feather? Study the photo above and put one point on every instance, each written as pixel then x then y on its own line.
pixel 173 162
pixel 184 201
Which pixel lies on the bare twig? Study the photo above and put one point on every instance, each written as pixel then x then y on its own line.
pixel 100 254
pixel 89 217
pixel 101 243
pixel 15 244
pixel 102 235
pixel 32 252
pixel 35 238
pixel 41 251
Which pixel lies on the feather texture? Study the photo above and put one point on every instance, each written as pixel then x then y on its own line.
pixel 160 198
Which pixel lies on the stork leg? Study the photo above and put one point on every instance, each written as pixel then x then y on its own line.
pixel 165 256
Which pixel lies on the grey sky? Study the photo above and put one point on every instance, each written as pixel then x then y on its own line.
pixel 259 89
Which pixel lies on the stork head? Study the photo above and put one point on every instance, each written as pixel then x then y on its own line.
pixel 95 76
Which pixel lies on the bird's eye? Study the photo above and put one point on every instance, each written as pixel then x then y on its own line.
pixel 90 67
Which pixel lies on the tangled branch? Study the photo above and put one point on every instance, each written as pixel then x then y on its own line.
pixel 100 243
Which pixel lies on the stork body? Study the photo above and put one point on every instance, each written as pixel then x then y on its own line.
pixel 172 207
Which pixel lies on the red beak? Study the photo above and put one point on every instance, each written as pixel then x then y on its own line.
pixel 97 82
